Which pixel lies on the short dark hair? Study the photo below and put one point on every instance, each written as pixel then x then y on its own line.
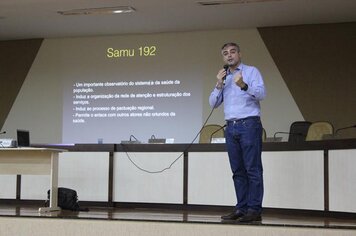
pixel 231 45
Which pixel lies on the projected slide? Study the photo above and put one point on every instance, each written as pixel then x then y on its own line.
pixel 118 87
pixel 106 100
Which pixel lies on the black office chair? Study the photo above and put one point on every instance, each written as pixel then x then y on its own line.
pixel 298 131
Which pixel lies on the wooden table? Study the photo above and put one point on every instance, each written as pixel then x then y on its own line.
pixel 33 161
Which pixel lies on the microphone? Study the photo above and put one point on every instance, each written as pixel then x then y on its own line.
pixel 297 134
pixel 136 141
pixel 131 136
pixel 212 134
pixel 226 67
pixel 348 127
pixel 3 132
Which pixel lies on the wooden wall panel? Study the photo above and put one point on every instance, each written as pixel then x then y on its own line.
pixel 318 64
pixel 16 58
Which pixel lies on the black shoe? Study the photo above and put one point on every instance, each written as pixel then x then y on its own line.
pixel 233 216
pixel 250 217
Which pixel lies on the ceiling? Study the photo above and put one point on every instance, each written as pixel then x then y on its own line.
pixel 24 19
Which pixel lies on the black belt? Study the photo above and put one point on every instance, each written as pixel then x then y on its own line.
pixel 234 121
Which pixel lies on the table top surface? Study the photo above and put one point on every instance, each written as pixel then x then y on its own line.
pixel 19 149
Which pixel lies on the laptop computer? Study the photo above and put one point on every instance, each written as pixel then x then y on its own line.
pixel 23 138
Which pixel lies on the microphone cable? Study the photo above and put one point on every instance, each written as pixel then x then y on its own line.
pixel 190 144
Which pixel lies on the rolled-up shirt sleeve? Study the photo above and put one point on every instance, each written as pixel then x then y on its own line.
pixel 216 98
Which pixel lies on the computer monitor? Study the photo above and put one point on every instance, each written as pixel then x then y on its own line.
pixel 23 138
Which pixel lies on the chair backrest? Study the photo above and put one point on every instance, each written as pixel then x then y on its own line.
pixel 211 131
pixel 318 129
pixel 298 131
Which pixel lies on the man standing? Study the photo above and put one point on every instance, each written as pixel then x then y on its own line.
pixel 241 88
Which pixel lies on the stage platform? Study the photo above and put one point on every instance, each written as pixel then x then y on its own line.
pixel 26 220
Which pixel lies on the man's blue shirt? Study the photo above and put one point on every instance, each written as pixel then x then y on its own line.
pixel 238 103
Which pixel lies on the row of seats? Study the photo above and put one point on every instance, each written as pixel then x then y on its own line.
pixel 299 131
pixel 310 131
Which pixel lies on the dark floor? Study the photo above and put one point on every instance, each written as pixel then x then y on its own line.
pixel 186 216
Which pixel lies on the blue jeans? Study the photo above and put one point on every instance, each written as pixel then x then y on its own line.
pixel 244 146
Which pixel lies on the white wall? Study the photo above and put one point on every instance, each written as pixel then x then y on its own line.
pixel 292 180
pixel 342 178
pixel 134 185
